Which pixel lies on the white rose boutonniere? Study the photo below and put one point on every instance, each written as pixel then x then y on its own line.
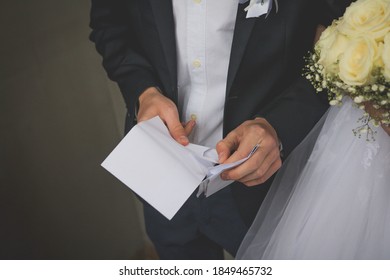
pixel 257 8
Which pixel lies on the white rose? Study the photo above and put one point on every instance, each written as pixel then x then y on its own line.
pixel 331 45
pixel 386 57
pixel 379 61
pixel 358 60
pixel 366 17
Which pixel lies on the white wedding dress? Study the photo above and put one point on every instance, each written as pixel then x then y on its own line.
pixel 330 200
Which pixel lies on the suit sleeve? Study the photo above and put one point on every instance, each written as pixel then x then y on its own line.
pixel 331 9
pixel 295 113
pixel 299 107
pixel 115 40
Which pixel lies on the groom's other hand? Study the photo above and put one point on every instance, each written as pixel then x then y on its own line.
pixel 152 103
pixel 239 143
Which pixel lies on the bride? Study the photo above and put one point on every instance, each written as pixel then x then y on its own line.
pixel 331 199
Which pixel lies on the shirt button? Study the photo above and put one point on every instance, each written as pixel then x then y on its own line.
pixel 196 63
pixel 197 1
pixel 193 117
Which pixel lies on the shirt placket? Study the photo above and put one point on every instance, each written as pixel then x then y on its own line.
pixel 196 27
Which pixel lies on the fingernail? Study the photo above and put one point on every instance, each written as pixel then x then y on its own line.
pixel 183 139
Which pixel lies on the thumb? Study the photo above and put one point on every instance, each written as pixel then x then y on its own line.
pixel 177 131
pixel 226 146
pixel 189 126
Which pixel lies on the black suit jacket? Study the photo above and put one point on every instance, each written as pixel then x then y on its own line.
pixel 136 39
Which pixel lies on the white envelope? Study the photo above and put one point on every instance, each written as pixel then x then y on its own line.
pixel 163 172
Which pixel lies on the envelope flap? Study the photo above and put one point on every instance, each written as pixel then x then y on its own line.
pixel 202 152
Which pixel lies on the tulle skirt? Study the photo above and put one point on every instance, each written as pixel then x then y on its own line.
pixel 330 200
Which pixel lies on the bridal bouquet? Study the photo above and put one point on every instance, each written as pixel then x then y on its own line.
pixel 352 57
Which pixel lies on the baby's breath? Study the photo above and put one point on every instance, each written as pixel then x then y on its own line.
pixel 377 93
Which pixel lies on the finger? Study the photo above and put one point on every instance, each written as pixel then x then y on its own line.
pixel 189 126
pixel 248 167
pixel 170 117
pixel 271 171
pixel 177 132
pixel 263 168
pixel 226 146
pixel 176 129
pixel 257 165
pixel 243 150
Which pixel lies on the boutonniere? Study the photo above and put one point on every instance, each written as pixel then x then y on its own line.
pixel 257 8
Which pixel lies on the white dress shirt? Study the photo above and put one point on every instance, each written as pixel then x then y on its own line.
pixel 204 35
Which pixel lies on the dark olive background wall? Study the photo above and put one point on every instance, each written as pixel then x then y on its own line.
pixel 59 118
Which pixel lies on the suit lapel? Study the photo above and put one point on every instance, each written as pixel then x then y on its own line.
pixel 163 14
pixel 242 33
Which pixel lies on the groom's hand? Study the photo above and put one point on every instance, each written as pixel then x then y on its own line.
pixel 152 103
pixel 238 144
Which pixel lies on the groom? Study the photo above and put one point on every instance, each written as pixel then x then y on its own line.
pixel 219 79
